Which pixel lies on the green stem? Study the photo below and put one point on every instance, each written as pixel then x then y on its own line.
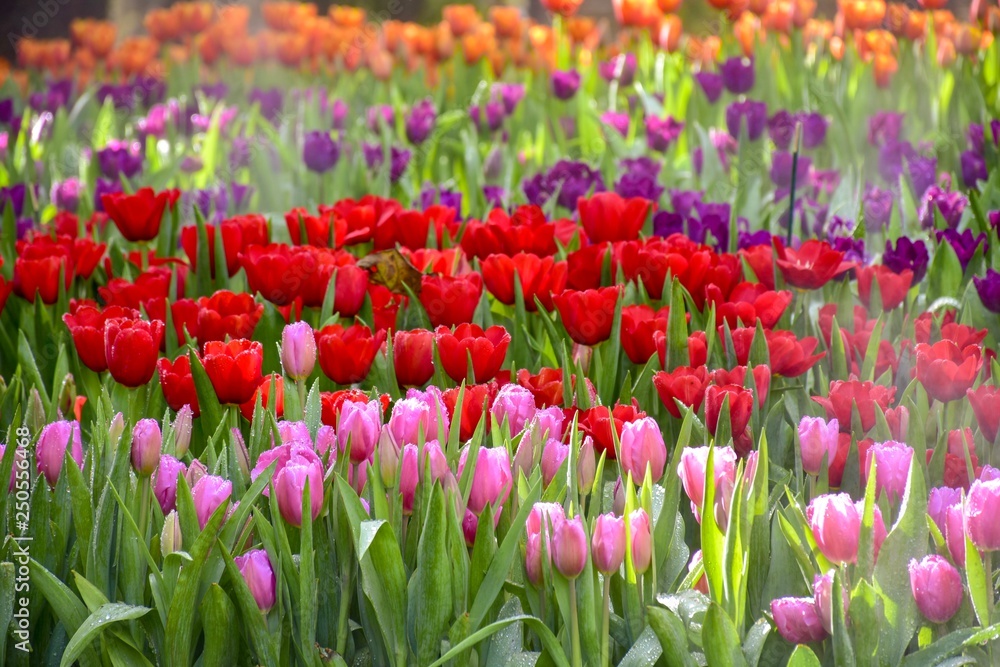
pixel 574 625
pixel 300 385
pixel 345 608
pixel 143 505
pixel 606 624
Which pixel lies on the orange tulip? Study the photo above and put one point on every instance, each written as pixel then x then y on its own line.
pixel 194 17
pixel 704 51
pixel 235 18
pixel 583 31
pixel 635 13
pixel 804 11
pixel 347 17
pixel 506 21
pixel 286 16
pixel 462 19
pixel 837 47
pixel 863 14
pixel 967 39
pixel 209 45
pixel 669 35
pixel 163 25
pixel 746 30
pixel 444 42
pixel 101 38
pixel 290 48
pixel 241 49
pixel 946 52
pixel 380 63
pixel 885 67
pixel 669 6
pixel 478 44
pixel 778 17
pixel 564 8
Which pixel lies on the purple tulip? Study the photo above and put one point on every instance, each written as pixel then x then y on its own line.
pixel 210 493
pixel 6 110
pixel 877 206
pixel 420 121
pixel 963 244
pixel 50 451
pixel 814 127
pixel 937 588
pixel 950 205
pixel 737 74
pixel 509 94
pixel 565 83
pixel 988 288
pixel 13 196
pixel 711 84
pixel 165 482
pixel 891 157
pixel 617 120
pixel 781 168
pixel 66 194
pixel 621 67
pixel 255 566
pixel 661 132
pixel 147 442
pixel 320 152
pixel 104 187
pixel 495 196
pixel 884 126
pixel 271 102
pixel 489 116
pixel 923 173
pixel 749 114
pixel 338 114
pixel 973 169
pixel 640 178
pixel 379 114
pixel 907 254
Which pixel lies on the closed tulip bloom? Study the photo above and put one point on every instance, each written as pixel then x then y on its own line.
pixel 138 216
pixel 409 475
pixel 290 483
pixel 985 402
pixel 183 423
pixel 209 493
pixel 533 558
pixel 642 445
pixel 606 216
pixel 740 408
pixel 836 525
pixel 346 354
pixel 165 482
pixel 131 347
pixel 486 350
pixel 320 152
pixel 147 441
pixel 823 597
pixel 937 588
pixel 586 466
pixel 588 315
pixel 982 514
pixel 642 540
pixel 255 566
pixel 798 620
pixel 553 455
pixel 413 357
pixel 50 451
pixel 892 467
pixel 947 371
pixel 420 412
pixel 450 301
pixel 171 539
pixel 515 404
pixel 569 546
pixel 298 350
pixel 492 480
pixel 565 83
pixel 691 470
pixel 359 426
pixel 234 369
pixel 817 437
pixel 607 544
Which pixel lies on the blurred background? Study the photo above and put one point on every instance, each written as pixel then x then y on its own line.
pixel 51 18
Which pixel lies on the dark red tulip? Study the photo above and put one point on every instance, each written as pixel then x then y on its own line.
pixel 350 288
pixel 234 368
pixel 947 371
pixel 362 216
pixel 178 383
pixel 451 301
pixel 589 314
pixel 606 216
pixel 225 314
pixel 584 267
pixel 476 404
pixel 138 216
pixel 487 350
pixel 892 286
pixel 539 276
pixel 789 356
pixel 322 231
pixel 413 357
pixel 639 325
pixel 812 265
pixel 131 347
pixel 86 325
pixel 278 272
pixel 742 342
pixel 385 306
pixel 684 383
pixel 411 229
pixel 740 409
pixel 697 346
pixel 866 395
pixel 148 286
pixel 346 354
pixel 985 402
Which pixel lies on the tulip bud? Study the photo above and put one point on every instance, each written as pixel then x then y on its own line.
pixel 147 442
pixel 290 483
pixel 642 540
pixel 835 525
pixel 170 538
pixel 569 546
pixel 582 354
pixel 937 588
pixel 553 456
pixel 255 566
pixel 116 429
pixel 982 514
pixel 209 493
pixel 298 350
pixel 702 584
pixel 470 525
pixel 388 459
pixel 954 533
pixel 823 597
pixel 183 423
pixel 51 448
pixel 817 437
pixel 515 404
pixel 586 467
pixel 492 480
pixel 524 457
pixel 641 446
pixel 67 395
pixel 619 504
pixel 892 467
pixel 195 472
pixel 608 543
pixel 798 620
pixel 165 482
pixel 34 416
pixel 359 426
pixel 242 455
pixel 533 559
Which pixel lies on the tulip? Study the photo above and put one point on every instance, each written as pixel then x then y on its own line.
pixel 298 350
pixel 492 479
pixel 346 354
pixel 836 524
pixel 817 437
pixel 177 384
pixel 255 566
pixel 86 326
pixel 740 408
pixel 937 588
pixel 209 493
pixel 691 470
pixel 533 558
pixel 565 84
pixel 892 286
pixel 50 451
pixel 892 467
pixel 319 151
pixel 569 546
pixel 278 272
pixel 413 357
pixel 171 539
pixel 131 347
pixel 516 405
pixel 138 216
pixel 823 597
pixel 388 459
pixel 982 511
pixel 224 315
pixel 418 413
pixel 450 301
pixel 737 74
pixel 605 216
pixel 642 541
pixel 195 472
pixel 359 428
pixel 485 349
pixel 553 456
pixel 586 467
pixel 947 371
pixel 234 369
pixel 290 482
pixel 985 402
pixel 165 482
pixel 147 442
pixel 642 446
pixel 181 428
pixel 798 620
pixel 588 315
pixel 608 543
pixel 812 265
pixel 684 384
pixel 844 395
pixel 409 474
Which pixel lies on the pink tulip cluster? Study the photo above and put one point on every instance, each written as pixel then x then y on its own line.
pixel 693 471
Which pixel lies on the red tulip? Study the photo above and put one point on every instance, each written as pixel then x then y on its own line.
pixel 178 384
pixel 740 408
pixel 547 386
pixel 225 314
pixel 747 303
pixel 640 324
pixel 413 357
pixel 812 265
pixel 278 272
pixel 362 216
pixel 346 354
pixel 598 421
pixel 790 356
pixel 487 350
pixel 737 376
pixel 86 325
pixel 588 315
pixel 238 233
pixel 6 287
pixel 138 216
pixel 686 384
pixel 539 276
pixel 451 301
pixel 322 231
pixel 385 306
pixel 892 286
pixel 476 404
pixel 865 395
pixel 411 229
pixel 651 262
pixel 37 269
pixel 606 216
pixel 524 231
pixel 697 346
pixel 148 286
pixel 761 260
pixel 947 371
pixel 234 369
pixel 131 347
pixel 985 402
pixel 264 389
pixel 584 266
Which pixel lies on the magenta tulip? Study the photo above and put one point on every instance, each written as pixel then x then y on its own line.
pixel 290 484
pixel 817 437
pixel 892 468
pixel 607 544
pixel 982 514
pixel 255 566
pixel 51 448
pixel 641 446
pixel 515 404
pixel 165 482
pixel 360 425
pixel 835 524
pixel 798 620
pixel 553 456
pixel 209 494
pixel 147 442
pixel 823 597
pixel 937 588
pixel 492 480
pixel 569 546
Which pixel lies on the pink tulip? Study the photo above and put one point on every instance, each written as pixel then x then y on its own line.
pixel 823 596
pixel 195 472
pixel 879 533
pixel 298 350
pixel 359 426
pixel 295 433
pixel 282 454
pixel 326 443
pixel 641 446
pixel 982 514
pixel 420 412
pixel 492 480
pixel 255 566
pixel 209 494
pixel 937 588
pixel 553 456
pixel 541 520
pixel 938 502
pixel 515 404
pixel 51 448
pixel 290 483
pixel 798 620
pixel 408 476
pixel 586 465
pixel 642 540
pixel 607 544
pixel 692 473
pixel 835 524
pixel 533 559
pixel 569 546
pixel 892 468
pixel 147 442
pixel 165 482
pixel 817 437
pixel 182 426
pixel 954 533
pixel 546 423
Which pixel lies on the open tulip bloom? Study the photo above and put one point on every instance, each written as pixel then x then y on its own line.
pixel 332 337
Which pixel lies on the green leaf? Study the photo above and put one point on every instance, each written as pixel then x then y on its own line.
pixel 429 590
pixel 218 614
pixel 95 624
pixel 670 631
pixel 803 656
pixel 553 649
pixel 720 639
